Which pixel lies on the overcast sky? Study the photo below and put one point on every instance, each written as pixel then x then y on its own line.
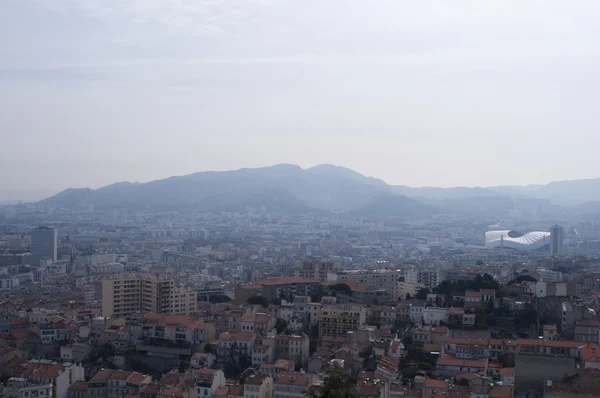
pixel 420 93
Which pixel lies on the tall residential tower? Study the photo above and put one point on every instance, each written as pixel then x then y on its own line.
pixel 556 240
pixel 44 243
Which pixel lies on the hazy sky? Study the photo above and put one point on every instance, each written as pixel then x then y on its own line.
pixel 414 92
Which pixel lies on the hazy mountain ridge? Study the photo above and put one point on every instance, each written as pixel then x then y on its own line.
pixel 285 188
pixel 325 188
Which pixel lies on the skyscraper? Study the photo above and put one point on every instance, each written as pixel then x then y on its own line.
pixel 556 240
pixel 44 243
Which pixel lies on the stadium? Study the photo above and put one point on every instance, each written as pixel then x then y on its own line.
pixel 530 241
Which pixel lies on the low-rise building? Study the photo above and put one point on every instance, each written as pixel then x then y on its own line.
pixel 258 386
pixel 208 380
pixel 449 366
pixel 416 312
pixel 435 315
pixel 17 387
pixel 292 384
pixel 59 375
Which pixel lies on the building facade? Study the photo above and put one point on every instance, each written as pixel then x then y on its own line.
pixel 44 243
pixel 338 320
pixel 125 295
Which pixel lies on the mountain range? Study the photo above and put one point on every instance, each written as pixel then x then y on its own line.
pixel 326 188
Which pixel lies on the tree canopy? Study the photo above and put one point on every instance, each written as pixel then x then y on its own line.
pixel 337 384
pixel 422 294
pixel 341 288
pixel 219 298
pixel 459 287
pixel 258 300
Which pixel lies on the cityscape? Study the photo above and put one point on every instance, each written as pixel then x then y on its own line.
pixel 299 199
pixel 266 298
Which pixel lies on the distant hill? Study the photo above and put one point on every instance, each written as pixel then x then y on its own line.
pixel 443 193
pixel 390 205
pixel 288 188
pixel 279 188
pixel 564 193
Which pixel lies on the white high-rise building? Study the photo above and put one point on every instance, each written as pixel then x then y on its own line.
pixel 44 243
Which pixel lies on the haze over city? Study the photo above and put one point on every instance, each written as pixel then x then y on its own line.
pixel 299 199
pixel 421 93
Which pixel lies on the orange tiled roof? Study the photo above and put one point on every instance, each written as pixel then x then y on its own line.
pixel 285 281
pixel 294 379
pixel 550 343
pixel 437 384
pixel 451 361
pixel 507 372
pixel 79 385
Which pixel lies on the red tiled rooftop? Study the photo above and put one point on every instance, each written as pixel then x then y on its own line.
pixel 550 343
pixel 221 391
pixel 200 355
pixel 252 287
pixel 79 385
pixel 236 391
pixel 244 336
pixel 293 379
pixel 285 281
pixel 501 392
pixel 451 361
pixel 468 342
pixel 507 372
pixel 587 322
pixel 437 384
pixel 136 378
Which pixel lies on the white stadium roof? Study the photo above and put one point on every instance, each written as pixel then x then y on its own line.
pixel 515 240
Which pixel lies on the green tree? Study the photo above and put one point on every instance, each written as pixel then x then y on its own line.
pixel 337 384
pixel 106 351
pixel 341 288
pixel 422 294
pixel 210 349
pixel 318 294
pixel 280 325
pixel 258 300
pixel 219 298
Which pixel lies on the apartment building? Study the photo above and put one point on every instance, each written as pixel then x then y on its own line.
pixel 44 243
pixel 232 346
pixel 287 288
pixel 126 294
pixel 460 274
pixel 291 347
pixel 587 330
pixel 426 277
pixel 175 328
pixel 316 270
pixel 410 289
pixel 338 320
pixel 375 279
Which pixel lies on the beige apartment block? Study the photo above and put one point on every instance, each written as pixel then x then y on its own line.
pixel 126 294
